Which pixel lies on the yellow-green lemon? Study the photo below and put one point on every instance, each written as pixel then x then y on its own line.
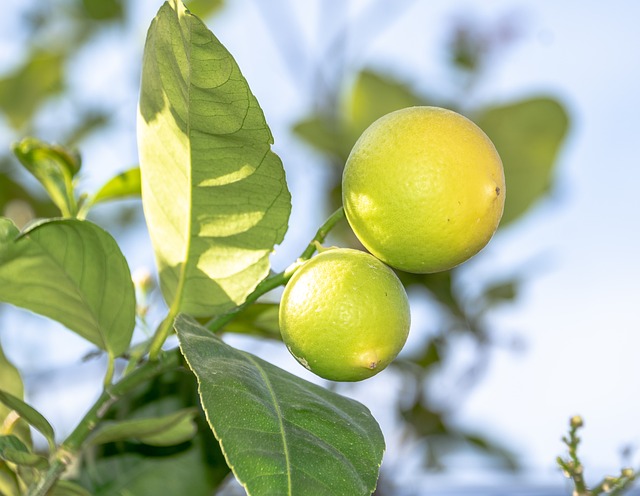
pixel 423 189
pixel 344 315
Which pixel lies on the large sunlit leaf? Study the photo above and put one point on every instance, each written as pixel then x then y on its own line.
pixel 281 434
pixel 214 194
pixel 71 271
pixel 528 135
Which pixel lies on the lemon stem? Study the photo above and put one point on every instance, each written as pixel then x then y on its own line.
pixel 281 278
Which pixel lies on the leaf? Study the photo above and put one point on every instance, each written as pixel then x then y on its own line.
pixel 30 415
pixel 71 271
pixel 325 135
pixel 68 488
pixel 23 91
pixel 16 202
pixel 259 319
pixel 214 195
pixel 279 433
pixel 8 481
pixel 14 451
pixel 103 10
pixel 528 135
pixel 54 167
pixel 168 430
pixel 205 8
pixel 121 186
pixel 12 383
pixel 374 95
pixel 195 468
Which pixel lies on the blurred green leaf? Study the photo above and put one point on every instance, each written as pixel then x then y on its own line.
pixel 259 319
pixel 325 136
pixel 71 271
pixel 68 488
pixel 120 186
pixel 374 95
pixel 204 8
pixel 194 468
pixel 30 415
pixel 215 196
pixel 168 430
pixel 23 91
pixel 11 383
pixel 103 10
pixel 13 450
pixel 281 434
pixel 55 168
pixel 501 292
pixel 9 485
pixel 17 203
pixel 528 135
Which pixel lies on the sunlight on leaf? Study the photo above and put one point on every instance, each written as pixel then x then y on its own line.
pixel 214 194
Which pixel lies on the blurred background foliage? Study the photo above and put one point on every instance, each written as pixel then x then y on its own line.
pixel 36 98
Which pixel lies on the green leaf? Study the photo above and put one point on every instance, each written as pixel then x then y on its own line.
pixel 214 194
pixel 12 384
pixel 103 10
pixel 204 8
pixel 121 186
pixel 23 91
pixel 71 271
pixel 528 136
pixel 30 415
pixel 194 468
pixel 16 201
pixel 14 451
pixel 259 319
pixel 325 135
pixel 9 485
pixel 373 96
pixel 168 430
pixel 279 433
pixel 54 167
pixel 68 488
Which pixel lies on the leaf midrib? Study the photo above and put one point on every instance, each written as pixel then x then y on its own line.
pixel 276 406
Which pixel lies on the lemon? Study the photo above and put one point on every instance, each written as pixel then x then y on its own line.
pixel 423 189
pixel 344 315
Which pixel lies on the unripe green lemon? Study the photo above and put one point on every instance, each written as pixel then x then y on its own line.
pixel 423 189
pixel 344 315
